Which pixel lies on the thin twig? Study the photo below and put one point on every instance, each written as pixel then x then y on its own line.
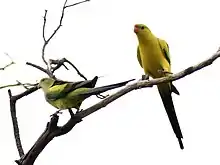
pixel 46 41
pixel 44 25
pixel 25 85
pixel 13 100
pixel 76 3
pixel 61 62
pixel 36 66
pixel 15 124
pixel 11 63
pixel 42 69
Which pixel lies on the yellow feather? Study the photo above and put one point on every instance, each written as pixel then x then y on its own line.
pixel 153 57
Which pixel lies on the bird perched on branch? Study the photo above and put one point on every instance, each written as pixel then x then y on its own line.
pixel 67 95
pixel 153 56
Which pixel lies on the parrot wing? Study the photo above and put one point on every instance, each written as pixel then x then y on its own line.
pixel 139 56
pixel 62 88
pixel 165 48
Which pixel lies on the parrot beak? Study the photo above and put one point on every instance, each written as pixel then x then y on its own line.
pixel 136 29
pixel 38 86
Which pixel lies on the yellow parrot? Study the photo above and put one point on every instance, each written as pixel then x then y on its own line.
pixel 153 56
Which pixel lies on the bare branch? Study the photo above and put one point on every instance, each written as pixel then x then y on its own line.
pixel 76 3
pixel 11 63
pixel 42 69
pixel 13 100
pixel 44 25
pixel 15 124
pixel 53 130
pixel 38 67
pixel 25 85
pixel 61 62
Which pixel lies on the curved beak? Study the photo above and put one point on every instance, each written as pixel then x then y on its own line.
pixel 136 29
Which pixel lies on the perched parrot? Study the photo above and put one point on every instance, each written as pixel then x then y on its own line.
pixel 67 95
pixel 153 56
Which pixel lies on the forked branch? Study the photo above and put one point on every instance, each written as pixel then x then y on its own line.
pixel 138 85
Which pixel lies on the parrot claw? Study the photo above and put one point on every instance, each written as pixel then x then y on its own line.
pixel 145 77
pixel 162 71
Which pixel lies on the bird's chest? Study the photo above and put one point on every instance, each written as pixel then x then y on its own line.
pixel 151 59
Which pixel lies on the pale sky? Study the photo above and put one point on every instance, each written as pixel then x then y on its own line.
pixel 98 38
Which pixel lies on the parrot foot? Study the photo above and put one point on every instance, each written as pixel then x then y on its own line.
pixel 145 77
pixel 79 110
pixel 162 71
pixel 100 96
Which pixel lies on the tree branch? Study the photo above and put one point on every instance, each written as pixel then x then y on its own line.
pixel 25 85
pixel 46 41
pixel 15 124
pixel 11 63
pixel 76 3
pixel 41 69
pixel 55 131
pixel 51 131
pixel 13 100
pixel 61 62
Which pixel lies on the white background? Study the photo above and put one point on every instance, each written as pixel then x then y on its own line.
pixel 98 38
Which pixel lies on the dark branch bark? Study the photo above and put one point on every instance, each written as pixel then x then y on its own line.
pixel 61 62
pixel 50 74
pixel 46 41
pixel 15 124
pixel 51 131
pixel 13 100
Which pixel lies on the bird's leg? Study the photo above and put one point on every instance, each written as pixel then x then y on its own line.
pixel 71 112
pixel 78 110
pixel 100 96
pixel 144 77
pixel 164 72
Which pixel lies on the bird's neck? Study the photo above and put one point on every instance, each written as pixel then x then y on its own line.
pixel 146 38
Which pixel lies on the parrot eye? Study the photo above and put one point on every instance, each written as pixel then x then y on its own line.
pixel 142 27
pixel 43 79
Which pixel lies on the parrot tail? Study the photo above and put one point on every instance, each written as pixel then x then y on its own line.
pixel 98 90
pixel 165 93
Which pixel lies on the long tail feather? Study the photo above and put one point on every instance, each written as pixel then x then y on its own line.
pixel 98 90
pixel 165 93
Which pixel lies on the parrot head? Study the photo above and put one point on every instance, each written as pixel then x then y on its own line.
pixel 46 83
pixel 141 29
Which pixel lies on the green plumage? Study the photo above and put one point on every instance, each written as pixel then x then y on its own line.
pixel 66 95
